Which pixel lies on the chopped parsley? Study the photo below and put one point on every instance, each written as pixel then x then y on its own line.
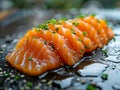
pixel 87 47
pixel 56 29
pixel 80 16
pixel 93 14
pixel 91 87
pixel 30 58
pixel 98 20
pixel 37 29
pixel 17 78
pixel 53 32
pixel 64 18
pixel 45 42
pixel 114 39
pixel 52 46
pixel 29 84
pixel 53 21
pixel 98 31
pixel 105 52
pixel 44 26
pixel 6 75
pixel 104 76
pixel 79 40
pixel 75 23
pixel 84 33
pixel 73 31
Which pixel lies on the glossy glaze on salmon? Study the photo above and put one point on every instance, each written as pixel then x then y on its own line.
pixel 57 43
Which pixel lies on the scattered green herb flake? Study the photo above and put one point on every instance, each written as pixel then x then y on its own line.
pixel 64 18
pixel 44 26
pixel 114 39
pixel 106 22
pixel 29 84
pixel 87 47
pixel 57 29
pixel 52 46
pixel 91 87
pixel 6 75
pixel 73 31
pixel 84 33
pixel 105 52
pixel 37 29
pixel 45 42
pixel 30 58
pixel 80 16
pixel 75 23
pixel 17 78
pixel 104 76
pixel 93 14
pixel 98 20
pixel 53 21
pixel 98 31
pixel 79 40
pixel 53 32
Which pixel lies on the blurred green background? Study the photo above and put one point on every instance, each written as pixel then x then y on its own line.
pixel 54 4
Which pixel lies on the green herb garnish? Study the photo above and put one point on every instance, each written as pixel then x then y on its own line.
pixel 37 29
pixel 98 31
pixel 80 16
pixel 52 46
pixel 75 23
pixel 105 52
pixel 29 84
pixel 93 14
pixel 6 75
pixel 79 40
pixel 73 31
pixel 84 33
pixel 104 76
pixel 44 26
pixel 57 29
pixel 91 87
pixel 53 32
pixel 63 18
pixel 17 78
pixel 53 21
pixel 98 20
pixel 30 58
pixel 45 42
pixel 114 39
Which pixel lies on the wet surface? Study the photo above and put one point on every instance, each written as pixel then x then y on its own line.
pixel 99 70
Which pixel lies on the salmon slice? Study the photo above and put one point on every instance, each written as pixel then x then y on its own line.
pixel 58 43
pixel 61 46
pixel 88 43
pixel 108 30
pixel 91 20
pixel 33 57
pixel 88 31
pixel 70 36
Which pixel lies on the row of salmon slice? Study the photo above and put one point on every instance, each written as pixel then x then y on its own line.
pixel 57 43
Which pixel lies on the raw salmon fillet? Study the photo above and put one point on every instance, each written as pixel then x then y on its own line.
pixel 57 43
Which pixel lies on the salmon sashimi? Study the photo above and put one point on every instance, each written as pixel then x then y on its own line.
pixel 33 57
pixel 57 43
pixel 98 26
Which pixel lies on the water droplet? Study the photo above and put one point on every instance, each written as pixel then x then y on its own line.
pixel 93 69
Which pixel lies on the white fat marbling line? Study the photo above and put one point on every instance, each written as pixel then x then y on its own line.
pixel 24 57
pixel 30 65
pixel 13 53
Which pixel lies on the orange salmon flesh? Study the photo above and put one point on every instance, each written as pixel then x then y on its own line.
pixel 57 43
